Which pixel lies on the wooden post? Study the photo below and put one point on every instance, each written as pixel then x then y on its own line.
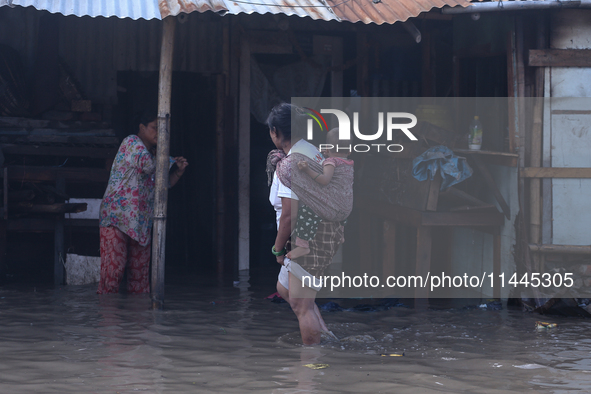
pixel 5 194
pixel 546 163
pixel 58 239
pixel 534 183
pixel 243 160
pixel 520 91
pixel 535 213
pixel 423 265
pixel 427 82
pixel 511 89
pixel 220 165
pixel 496 265
pixel 389 249
pixel 162 165
pixel 4 223
pixel 362 65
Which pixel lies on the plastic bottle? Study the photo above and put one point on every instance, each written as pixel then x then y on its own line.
pixel 475 134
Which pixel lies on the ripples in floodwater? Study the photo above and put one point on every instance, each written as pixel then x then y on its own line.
pixel 232 340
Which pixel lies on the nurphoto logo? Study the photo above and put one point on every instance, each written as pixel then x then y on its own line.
pixel 392 125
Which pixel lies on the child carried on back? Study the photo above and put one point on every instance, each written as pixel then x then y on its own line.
pixel 325 193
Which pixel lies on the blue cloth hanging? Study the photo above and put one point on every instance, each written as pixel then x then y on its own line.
pixel 454 169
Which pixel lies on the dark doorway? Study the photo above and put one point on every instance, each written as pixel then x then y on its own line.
pixel 190 218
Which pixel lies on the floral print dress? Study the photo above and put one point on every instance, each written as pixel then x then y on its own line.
pixel 128 203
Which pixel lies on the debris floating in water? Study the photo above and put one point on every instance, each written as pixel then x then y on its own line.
pixel 393 355
pixel 316 366
pixel 384 305
pixel 540 325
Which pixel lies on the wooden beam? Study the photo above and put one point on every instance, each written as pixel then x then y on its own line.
pixel 58 208
pixel 101 153
pixel 162 163
pixel 554 172
pixel 70 138
pixel 491 157
pixel 570 111
pixel 574 249
pixel 560 57
pixel 50 174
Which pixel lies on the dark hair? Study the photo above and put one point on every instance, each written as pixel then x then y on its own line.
pixel 146 116
pixel 283 116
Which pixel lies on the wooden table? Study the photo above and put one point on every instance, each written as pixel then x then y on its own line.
pixel 424 222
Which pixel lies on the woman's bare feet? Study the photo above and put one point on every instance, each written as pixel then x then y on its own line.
pixel 325 329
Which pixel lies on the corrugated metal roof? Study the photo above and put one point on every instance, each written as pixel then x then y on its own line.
pixel 366 11
pixel 386 11
pixel 134 9
pixel 315 9
pixel 175 7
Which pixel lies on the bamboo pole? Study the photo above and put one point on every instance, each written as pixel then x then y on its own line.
pixel 243 161
pixel 162 154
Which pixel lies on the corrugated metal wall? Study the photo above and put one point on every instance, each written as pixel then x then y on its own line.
pixel 94 49
pixel 18 29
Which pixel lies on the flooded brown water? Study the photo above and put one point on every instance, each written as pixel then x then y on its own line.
pixel 231 340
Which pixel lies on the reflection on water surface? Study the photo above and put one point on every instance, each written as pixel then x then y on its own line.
pixel 232 340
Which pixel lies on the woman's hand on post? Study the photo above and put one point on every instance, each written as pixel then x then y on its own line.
pixel 181 163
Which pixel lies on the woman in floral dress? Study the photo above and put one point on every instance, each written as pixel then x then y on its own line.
pixel 127 209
